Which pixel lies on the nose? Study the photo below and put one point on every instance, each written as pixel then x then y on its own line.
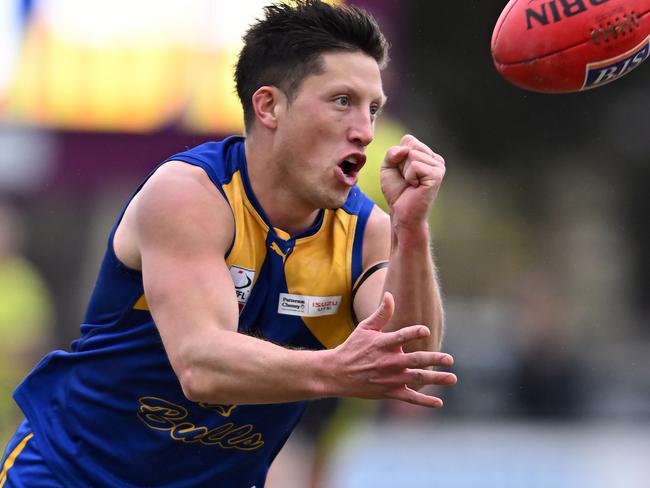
pixel 361 130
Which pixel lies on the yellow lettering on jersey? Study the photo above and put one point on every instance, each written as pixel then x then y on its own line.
pixel 159 414
pixel 223 410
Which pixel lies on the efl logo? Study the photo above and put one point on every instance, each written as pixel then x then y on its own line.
pixel 243 281
pixel 602 72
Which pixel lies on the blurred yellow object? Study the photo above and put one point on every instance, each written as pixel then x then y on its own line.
pixel 60 83
pixel 25 318
pixel 87 66
pixel 25 307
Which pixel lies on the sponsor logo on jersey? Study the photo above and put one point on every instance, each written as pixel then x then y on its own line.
pixel 601 72
pixel 308 306
pixel 242 278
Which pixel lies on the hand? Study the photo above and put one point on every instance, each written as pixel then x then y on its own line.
pixel 411 175
pixel 373 364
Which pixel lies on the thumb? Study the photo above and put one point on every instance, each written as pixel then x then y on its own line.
pixel 381 316
pixel 396 155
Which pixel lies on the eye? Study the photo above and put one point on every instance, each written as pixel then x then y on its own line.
pixel 375 111
pixel 342 100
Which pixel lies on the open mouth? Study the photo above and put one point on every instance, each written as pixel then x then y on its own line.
pixel 349 167
pixel 352 165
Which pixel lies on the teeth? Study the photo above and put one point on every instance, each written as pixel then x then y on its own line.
pixel 352 160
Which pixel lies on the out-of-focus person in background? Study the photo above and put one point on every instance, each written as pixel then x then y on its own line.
pixel 26 315
pixel 548 380
pixel 247 276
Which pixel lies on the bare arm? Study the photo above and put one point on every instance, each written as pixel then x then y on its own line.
pixel 411 176
pixel 410 277
pixel 183 228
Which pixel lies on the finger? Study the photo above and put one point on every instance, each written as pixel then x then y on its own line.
pixel 409 395
pixel 395 155
pixel 421 157
pixel 418 378
pixel 382 315
pixel 407 139
pixel 404 335
pixel 419 173
pixel 424 377
pixel 414 143
pixel 414 360
pixel 425 157
pixel 439 159
pixel 426 359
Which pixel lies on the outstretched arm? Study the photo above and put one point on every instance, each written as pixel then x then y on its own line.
pixel 183 228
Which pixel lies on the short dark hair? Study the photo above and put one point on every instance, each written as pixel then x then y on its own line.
pixel 284 47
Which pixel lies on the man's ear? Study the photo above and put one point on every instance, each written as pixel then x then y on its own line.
pixel 268 103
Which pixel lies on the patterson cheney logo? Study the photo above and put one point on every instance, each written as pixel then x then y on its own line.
pixel 600 72
pixel 307 306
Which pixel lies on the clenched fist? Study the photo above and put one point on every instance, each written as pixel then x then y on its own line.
pixel 411 175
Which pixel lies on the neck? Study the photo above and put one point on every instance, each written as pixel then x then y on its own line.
pixel 284 210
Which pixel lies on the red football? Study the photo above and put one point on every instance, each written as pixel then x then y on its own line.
pixel 556 46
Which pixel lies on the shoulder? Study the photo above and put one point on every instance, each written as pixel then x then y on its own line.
pixel 176 177
pixel 178 207
pixel 180 202
pixel 219 159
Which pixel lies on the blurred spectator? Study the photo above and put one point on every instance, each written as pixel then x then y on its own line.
pixel 25 317
pixel 305 461
pixel 548 379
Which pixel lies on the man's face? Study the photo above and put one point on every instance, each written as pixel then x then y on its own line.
pixel 322 135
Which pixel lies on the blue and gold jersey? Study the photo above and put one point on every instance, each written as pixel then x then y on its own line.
pixel 111 411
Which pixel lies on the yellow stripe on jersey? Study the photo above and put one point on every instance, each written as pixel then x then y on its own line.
pixel 11 459
pixel 141 304
pixel 321 266
pixel 249 249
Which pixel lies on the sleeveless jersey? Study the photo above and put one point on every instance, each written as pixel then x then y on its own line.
pixel 111 412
